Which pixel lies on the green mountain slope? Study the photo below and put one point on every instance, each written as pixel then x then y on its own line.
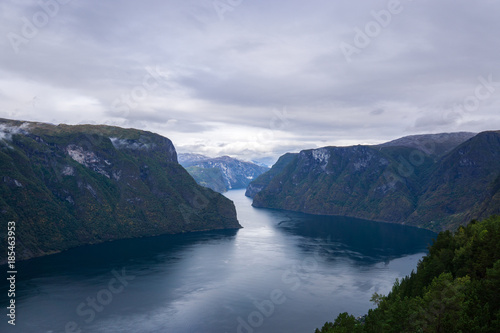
pixel 463 186
pixel 437 188
pixel 456 288
pixel 66 186
pixel 260 182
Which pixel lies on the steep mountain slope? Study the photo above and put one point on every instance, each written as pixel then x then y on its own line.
pixel 464 185
pixel 71 185
pixel 260 182
pixel 351 181
pixel 391 183
pixel 235 173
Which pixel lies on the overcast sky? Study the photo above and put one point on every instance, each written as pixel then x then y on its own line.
pixel 254 78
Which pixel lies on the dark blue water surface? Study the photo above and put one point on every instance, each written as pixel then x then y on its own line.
pixel 284 272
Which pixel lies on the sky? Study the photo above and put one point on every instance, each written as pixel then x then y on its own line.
pixel 254 79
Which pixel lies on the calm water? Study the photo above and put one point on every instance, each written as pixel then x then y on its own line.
pixel 284 272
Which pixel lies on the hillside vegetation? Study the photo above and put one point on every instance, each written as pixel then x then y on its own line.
pixel 456 288
pixel 436 182
pixel 66 186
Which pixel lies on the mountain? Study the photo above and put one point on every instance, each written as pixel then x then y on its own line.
pixel 66 186
pixel 432 185
pixel 465 185
pixel 190 158
pixel 432 144
pixel 234 173
pixel 260 182
pixel 212 178
pixel 265 161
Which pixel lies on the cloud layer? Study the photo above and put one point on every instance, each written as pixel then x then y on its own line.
pixel 253 79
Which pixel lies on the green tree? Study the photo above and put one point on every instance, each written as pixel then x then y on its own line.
pixel 456 288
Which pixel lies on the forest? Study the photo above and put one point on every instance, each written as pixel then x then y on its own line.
pixel 455 288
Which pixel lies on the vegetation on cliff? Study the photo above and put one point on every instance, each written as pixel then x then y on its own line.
pixel 456 288
pixel 71 185
pixel 261 182
pixel 417 181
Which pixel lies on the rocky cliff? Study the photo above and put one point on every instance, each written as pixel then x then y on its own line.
pixel 71 185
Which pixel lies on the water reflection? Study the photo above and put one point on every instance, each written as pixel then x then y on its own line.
pixel 360 240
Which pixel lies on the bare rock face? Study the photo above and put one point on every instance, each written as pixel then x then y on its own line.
pixel 71 185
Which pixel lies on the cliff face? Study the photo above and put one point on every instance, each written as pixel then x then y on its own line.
pixel 261 182
pixel 437 188
pixel 464 185
pixel 71 185
pixel 221 173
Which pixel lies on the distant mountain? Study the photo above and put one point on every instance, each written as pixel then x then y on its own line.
pixel 265 161
pixel 432 181
pixel 212 178
pixel 221 173
pixel 261 164
pixel 189 158
pixel 66 186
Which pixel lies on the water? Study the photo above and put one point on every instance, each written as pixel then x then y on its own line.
pixel 284 272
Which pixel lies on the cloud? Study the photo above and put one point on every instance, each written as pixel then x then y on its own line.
pixel 93 62
pixel 6 131
pixel 376 112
